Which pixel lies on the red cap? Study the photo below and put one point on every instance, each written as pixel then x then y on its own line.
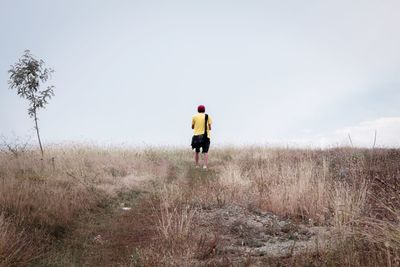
pixel 201 108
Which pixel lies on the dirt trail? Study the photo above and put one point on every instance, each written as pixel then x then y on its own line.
pixel 106 236
pixel 110 235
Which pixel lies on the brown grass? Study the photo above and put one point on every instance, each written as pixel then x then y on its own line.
pixel 354 191
pixel 16 248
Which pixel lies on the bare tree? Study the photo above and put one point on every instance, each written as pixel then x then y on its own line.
pixel 28 76
pixel 16 146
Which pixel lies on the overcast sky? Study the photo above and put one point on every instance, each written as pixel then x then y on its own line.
pixel 268 72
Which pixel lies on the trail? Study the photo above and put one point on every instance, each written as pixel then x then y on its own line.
pixel 106 236
pixel 110 235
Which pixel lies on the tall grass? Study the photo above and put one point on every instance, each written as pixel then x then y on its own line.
pixel 174 216
pixel 335 188
pixel 41 201
pixel 16 248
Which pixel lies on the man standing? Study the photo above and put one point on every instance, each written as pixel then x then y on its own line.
pixel 201 124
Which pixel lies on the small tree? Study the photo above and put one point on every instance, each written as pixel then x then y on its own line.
pixel 28 76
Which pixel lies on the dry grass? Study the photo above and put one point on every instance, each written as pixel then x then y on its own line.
pixel 42 202
pixel 333 188
pixel 16 248
pixel 174 217
pixel 385 235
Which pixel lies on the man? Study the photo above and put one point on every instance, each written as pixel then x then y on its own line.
pixel 199 125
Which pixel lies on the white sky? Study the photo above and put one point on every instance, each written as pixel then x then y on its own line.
pixel 269 72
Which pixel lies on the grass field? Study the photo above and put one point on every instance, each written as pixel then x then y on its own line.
pixel 92 206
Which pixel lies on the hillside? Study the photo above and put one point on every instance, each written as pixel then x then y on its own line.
pixel 92 206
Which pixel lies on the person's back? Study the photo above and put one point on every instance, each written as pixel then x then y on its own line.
pixel 198 121
pixel 199 138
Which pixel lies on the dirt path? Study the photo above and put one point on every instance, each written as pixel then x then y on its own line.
pixel 110 235
pixel 105 236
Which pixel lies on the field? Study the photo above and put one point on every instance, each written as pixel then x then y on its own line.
pixel 92 206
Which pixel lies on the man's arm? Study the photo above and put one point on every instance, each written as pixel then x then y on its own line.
pixel 192 123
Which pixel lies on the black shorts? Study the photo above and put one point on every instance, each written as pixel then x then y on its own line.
pixel 204 147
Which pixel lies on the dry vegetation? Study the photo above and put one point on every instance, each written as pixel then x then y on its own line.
pixel 253 207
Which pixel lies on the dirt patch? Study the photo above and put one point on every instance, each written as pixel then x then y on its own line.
pixel 244 233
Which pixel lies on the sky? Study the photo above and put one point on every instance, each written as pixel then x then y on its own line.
pixel 298 73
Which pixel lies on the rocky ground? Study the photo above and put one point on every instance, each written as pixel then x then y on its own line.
pixel 259 235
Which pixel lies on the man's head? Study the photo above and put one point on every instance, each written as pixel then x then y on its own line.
pixel 201 109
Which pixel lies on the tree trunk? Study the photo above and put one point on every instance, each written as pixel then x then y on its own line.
pixel 37 132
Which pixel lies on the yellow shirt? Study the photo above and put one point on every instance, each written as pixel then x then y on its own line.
pixel 198 121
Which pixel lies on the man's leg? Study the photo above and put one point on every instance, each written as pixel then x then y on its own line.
pixel 196 158
pixel 205 160
pixel 205 152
